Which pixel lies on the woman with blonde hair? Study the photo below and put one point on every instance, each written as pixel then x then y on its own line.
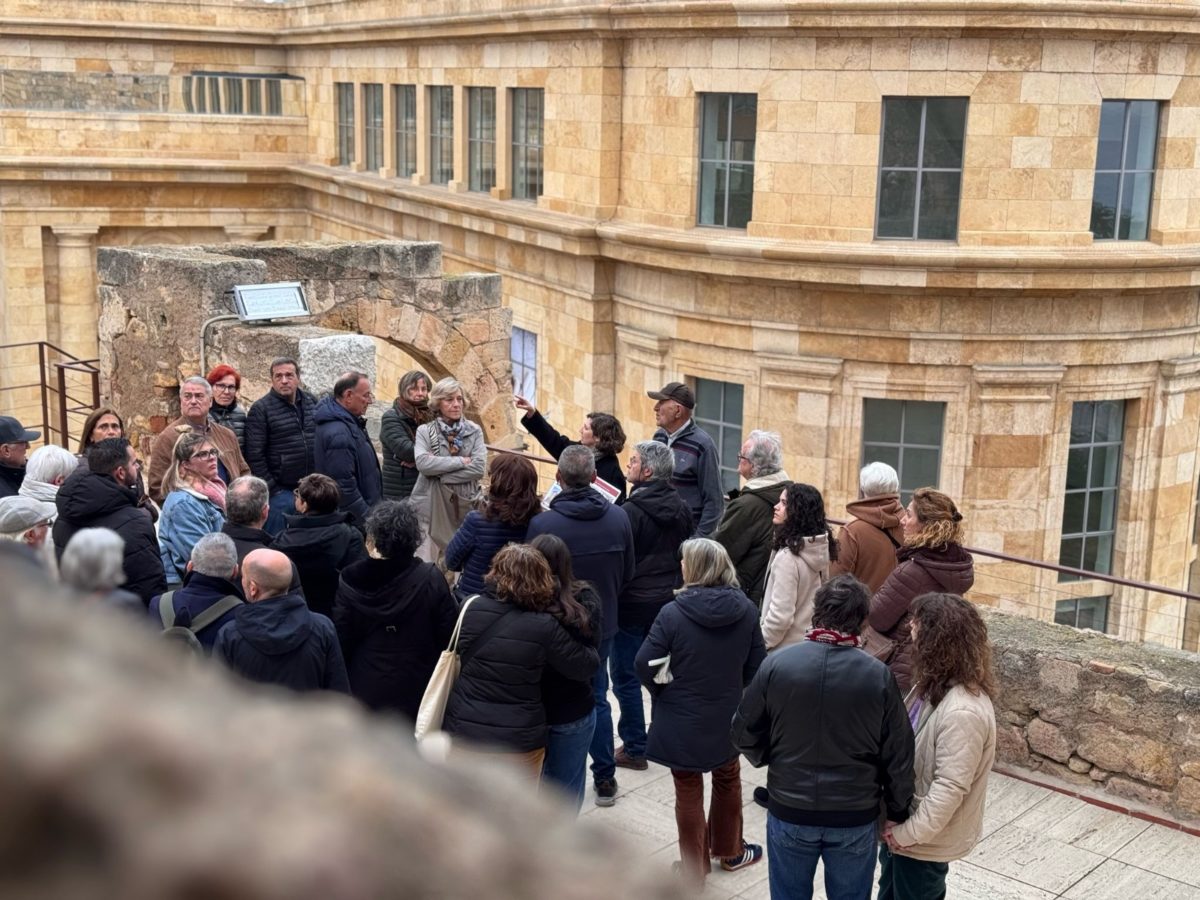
pixel 930 559
pixel 702 650
pixel 451 458
pixel 194 505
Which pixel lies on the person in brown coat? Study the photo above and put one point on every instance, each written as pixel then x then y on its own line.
pixel 195 400
pixel 867 544
pixel 930 560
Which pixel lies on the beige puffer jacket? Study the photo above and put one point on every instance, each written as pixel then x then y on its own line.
pixel 792 583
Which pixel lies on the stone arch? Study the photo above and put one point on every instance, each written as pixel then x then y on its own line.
pixel 155 301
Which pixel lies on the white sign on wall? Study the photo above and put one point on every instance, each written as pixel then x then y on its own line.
pixel 282 300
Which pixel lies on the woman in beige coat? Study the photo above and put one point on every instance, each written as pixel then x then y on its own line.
pixel 799 565
pixel 955 726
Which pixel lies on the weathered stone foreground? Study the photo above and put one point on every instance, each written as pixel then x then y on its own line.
pixel 125 775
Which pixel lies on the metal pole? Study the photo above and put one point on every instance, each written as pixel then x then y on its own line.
pixel 62 405
pixel 45 398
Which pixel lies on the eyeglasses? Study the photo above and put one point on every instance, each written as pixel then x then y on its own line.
pixel 207 454
pixel 224 387
pixel 743 458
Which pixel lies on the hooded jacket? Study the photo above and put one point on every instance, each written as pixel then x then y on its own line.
pixel 660 522
pixel 746 530
pixel 601 543
pixel 320 547
pixel 715 645
pixel 248 539
pixel 11 478
pixel 88 500
pixel 919 570
pixel 475 544
pixel 198 593
pixel 279 439
pixel 343 451
pixel 787 608
pixel 608 467
pixel 279 641
pixel 393 618
pixel 868 543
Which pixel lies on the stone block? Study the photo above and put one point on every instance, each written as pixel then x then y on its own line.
pixel 1011 745
pixel 1077 764
pixel 1140 757
pixel 1048 740
pixel 1133 790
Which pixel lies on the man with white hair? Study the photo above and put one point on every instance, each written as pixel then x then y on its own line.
pixel 867 544
pixel 210 594
pixel 94 564
pixel 195 400
pixel 26 521
pixel 48 467
pixel 745 529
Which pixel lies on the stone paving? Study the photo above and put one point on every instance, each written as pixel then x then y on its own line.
pixel 1037 844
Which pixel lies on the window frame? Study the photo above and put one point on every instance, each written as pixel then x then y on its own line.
pixel 524 372
pixel 727 163
pixel 1088 490
pixel 525 187
pixel 716 428
pixel 441 143
pixel 344 121
pixel 901 445
pixel 1122 172
pixel 1104 602
pixel 478 143
pixel 404 112
pixel 372 126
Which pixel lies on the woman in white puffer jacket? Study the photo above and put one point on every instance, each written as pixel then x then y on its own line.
pixel 799 565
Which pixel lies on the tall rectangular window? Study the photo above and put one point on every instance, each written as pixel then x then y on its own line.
pixel 214 94
pixel 528 106
pixel 481 138
pixel 404 114
pixel 274 97
pixel 441 134
pixel 728 125
pixel 719 412
pixel 1083 612
pixel 907 435
pixel 188 86
pixel 233 96
pixel 1124 170
pixel 920 167
pixel 254 96
pixel 1093 475
pixel 523 353
pixel 344 95
pixel 372 95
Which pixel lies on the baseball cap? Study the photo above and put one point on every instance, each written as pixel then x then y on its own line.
pixel 680 393
pixel 19 514
pixel 13 432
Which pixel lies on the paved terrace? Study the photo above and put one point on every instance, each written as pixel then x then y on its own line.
pixel 1037 844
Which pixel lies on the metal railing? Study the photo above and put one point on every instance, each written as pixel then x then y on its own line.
pixel 39 379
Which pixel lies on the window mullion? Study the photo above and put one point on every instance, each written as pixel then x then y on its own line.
pixel 917 187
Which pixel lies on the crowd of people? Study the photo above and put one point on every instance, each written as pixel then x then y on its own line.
pixel 278 541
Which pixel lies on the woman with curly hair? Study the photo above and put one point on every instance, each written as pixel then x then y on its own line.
pixel 511 501
pixel 507 642
pixel 600 431
pixel 955 726
pixel 930 559
pixel 803 549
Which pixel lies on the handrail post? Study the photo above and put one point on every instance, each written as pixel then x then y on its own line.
pixel 42 374
pixel 62 405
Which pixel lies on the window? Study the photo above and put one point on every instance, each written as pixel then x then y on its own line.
pixel 201 95
pixel 345 123
pixel 189 104
pixel 372 126
pixel 404 113
pixel 1083 612
pixel 1124 170
pixel 920 167
pixel 233 96
pixel 728 123
pixel 254 96
pixel 481 138
pixel 907 435
pixel 274 97
pixel 527 121
pixel 214 94
pixel 524 362
pixel 441 134
pixel 719 412
pixel 1093 471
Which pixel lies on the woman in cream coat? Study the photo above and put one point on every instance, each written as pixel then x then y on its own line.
pixel 799 565
pixel 951 711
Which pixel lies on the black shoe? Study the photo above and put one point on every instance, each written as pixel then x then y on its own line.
pixel 760 796
pixel 606 791
pixel 623 760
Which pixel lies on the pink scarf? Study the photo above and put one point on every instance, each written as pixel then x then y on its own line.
pixel 829 636
pixel 214 490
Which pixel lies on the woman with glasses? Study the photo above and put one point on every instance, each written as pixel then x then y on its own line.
pixel 194 505
pixel 226 382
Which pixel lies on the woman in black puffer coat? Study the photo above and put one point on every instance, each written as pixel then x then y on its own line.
pixel 506 644
pixel 600 431
pixel 710 634
pixel 394 614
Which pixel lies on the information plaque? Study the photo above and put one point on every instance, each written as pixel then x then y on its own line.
pixel 281 300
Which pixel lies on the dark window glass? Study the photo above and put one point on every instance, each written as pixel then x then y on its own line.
pixel 907 435
pixel 372 126
pixel 527 128
pixel 920 170
pixel 404 114
pixel 1092 486
pixel 1124 180
pixel 728 129
pixel 344 95
pixel 719 412
pixel 481 138
pixel 441 134
pixel 254 96
pixel 274 97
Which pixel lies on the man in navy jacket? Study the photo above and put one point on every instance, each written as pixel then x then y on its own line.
pixel 342 449
pixel 600 539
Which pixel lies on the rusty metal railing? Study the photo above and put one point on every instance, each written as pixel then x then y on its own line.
pixel 46 379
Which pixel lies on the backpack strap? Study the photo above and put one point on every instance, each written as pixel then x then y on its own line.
pixel 214 612
pixel 166 609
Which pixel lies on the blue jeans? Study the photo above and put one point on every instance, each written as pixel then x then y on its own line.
pixel 793 851
pixel 601 750
pixel 282 503
pixel 631 726
pixel 566 756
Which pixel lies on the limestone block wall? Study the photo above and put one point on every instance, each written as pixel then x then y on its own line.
pixel 1121 718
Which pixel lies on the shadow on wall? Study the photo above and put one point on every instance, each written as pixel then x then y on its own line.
pixel 127 773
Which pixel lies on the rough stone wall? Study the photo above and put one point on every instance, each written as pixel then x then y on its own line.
pixel 91 91
pixel 127 773
pixel 1119 717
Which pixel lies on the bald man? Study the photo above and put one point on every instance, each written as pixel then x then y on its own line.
pixel 275 638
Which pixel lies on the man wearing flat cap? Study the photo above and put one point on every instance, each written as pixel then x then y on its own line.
pixel 14 445
pixel 697 476
pixel 26 521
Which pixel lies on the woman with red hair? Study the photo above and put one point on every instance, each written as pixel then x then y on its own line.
pixel 226 382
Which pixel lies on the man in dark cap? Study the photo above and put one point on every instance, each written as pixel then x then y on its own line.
pixel 697 476
pixel 14 445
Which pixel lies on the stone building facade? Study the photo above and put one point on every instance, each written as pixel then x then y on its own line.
pixel 693 191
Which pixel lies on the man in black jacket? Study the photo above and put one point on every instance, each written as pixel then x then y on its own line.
pixel 343 451
pixel 247 507
pixel 830 724
pixel 660 522
pixel 279 439
pixel 14 445
pixel 105 495
pixel 274 638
